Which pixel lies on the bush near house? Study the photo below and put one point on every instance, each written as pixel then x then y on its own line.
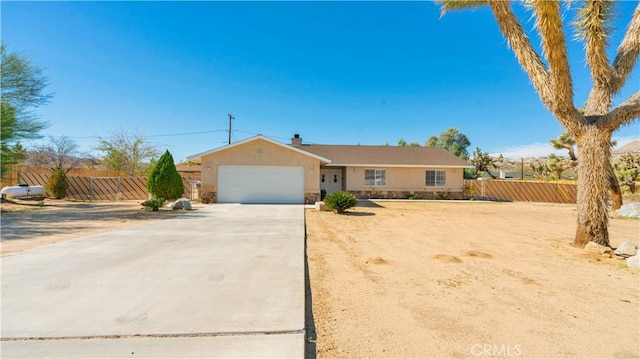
pixel 154 204
pixel 164 180
pixel 339 202
pixel 58 184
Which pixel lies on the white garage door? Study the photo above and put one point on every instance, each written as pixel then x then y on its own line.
pixel 260 184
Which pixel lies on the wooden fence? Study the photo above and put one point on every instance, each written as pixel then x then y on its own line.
pixel 11 177
pixel 83 188
pixel 523 191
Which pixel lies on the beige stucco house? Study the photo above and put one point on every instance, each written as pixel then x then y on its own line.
pixel 262 170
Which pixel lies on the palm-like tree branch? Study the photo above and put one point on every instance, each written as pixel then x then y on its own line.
pixel 528 58
pixel 549 24
pixel 459 4
pixel 627 52
pixel 592 27
pixel 624 113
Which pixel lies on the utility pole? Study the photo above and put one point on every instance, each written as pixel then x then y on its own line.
pixel 230 118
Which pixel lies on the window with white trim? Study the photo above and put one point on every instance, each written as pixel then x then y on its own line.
pixel 375 177
pixel 436 178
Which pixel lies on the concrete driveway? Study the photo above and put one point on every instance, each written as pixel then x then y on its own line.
pixel 223 281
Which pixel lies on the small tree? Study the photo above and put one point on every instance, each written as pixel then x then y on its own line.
pixel 485 163
pixel 164 181
pixel 628 170
pixel 61 153
pixel 451 140
pixel 557 165
pixel 540 170
pixel 58 184
pixel 403 143
pixel 125 152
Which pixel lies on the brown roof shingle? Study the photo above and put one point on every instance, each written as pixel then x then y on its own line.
pixel 385 155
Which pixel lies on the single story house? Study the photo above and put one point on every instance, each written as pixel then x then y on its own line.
pixel 262 170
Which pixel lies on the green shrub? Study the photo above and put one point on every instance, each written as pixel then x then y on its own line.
pixel 323 194
pixel 411 196
pixel 154 204
pixel 58 184
pixel 340 201
pixel 469 192
pixel 164 180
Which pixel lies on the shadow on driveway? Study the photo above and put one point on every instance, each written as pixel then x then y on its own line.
pixel 80 218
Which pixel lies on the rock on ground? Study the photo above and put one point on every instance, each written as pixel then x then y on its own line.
pixel 181 203
pixel 626 249
pixel 629 210
pixel 634 262
pixel 320 206
pixel 593 247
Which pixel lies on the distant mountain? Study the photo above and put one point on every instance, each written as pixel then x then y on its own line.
pixel 633 146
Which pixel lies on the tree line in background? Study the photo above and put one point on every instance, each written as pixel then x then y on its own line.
pixel 22 87
pixel 22 90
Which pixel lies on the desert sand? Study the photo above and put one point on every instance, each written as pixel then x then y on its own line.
pixel 467 279
pixel 29 225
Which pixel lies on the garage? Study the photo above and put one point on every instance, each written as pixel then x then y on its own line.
pixel 260 184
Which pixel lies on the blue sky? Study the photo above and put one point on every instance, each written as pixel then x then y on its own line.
pixel 334 72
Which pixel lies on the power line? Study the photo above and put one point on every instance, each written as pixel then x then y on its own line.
pixel 161 135
pixel 187 134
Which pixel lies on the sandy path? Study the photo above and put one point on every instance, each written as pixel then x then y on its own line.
pixel 468 280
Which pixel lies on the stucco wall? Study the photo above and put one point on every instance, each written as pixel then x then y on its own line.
pixel 259 153
pixel 405 179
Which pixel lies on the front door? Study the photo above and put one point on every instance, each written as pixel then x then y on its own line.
pixel 331 180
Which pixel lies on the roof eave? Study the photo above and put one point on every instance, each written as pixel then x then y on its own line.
pixel 395 165
pixel 250 139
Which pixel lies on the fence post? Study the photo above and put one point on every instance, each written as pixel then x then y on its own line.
pixel 119 194
pixel 90 188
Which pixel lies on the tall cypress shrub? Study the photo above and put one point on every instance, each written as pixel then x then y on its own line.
pixel 164 181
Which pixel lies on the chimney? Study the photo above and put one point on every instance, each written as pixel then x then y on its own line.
pixel 296 140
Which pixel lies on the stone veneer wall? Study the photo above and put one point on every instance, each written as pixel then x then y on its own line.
pixel 212 197
pixel 406 194
pixel 311 198
pixel 209 197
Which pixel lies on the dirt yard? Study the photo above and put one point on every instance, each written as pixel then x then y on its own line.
pixel 467 279
pixel 25 226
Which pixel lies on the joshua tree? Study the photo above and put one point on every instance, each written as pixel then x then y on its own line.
pixel 551 78
pixel 566 141
pixel 628 170
pixel 483 162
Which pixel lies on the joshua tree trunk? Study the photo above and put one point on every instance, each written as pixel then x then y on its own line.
pixel 593 181
pixel 616 194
